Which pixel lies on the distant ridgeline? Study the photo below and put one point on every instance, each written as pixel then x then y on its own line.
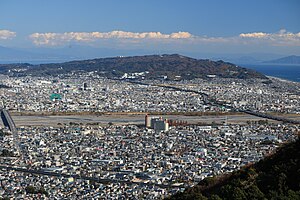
pixel 286 60
pixel 172 67
pixel 275 177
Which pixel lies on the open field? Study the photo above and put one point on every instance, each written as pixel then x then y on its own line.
pixel 122 119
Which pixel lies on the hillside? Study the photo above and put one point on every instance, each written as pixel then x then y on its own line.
pixel 275 177
pixel 286 60
pixel 154 66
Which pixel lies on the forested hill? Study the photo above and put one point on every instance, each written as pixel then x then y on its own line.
pixel 154 66
pixel 275 177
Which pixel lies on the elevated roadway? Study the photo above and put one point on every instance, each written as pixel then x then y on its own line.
pixel 98 180
pixel 211 101
pixel 9 123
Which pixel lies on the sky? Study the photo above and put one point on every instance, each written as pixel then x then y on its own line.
pixel 197 26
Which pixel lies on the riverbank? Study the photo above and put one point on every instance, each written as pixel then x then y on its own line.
pixel 123 119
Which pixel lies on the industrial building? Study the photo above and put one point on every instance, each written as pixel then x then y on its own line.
pixel 157 123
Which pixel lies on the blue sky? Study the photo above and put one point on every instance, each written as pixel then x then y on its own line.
pixel 191 25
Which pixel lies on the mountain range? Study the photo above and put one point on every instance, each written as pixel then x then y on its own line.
pixel 286 60
pixel 171 66
pixel 37 55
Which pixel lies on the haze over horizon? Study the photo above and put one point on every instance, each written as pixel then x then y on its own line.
pixel 75 29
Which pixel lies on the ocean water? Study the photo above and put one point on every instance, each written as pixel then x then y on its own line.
pixel 288 72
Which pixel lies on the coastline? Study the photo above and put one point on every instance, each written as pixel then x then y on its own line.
pixel 282 72
pixel 281 79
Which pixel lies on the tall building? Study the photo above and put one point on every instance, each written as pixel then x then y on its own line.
pixel 152 121
pixel 161 125
pixel 148 121
pixel 156 123
pixel 85 85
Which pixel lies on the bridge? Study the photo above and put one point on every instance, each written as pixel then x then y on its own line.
pixel 7 120
pixel 272 117
pixel 9 123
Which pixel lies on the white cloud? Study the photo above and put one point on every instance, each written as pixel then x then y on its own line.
pixel 181 35
pixel 253 35
pixel 6 34
pixel 59 38
pixel 281 38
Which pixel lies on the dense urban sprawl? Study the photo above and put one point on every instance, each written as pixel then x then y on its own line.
pixel 181 157
pixel 135 161
pixel 90 92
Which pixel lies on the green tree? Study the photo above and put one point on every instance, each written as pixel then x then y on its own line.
pixel 238 194
pixel 42 191
pixel 282 178
pixel 293 195
pixel 253 192
pixel 215 197
pixel 226 191
pixel 30 189
pixel 7 153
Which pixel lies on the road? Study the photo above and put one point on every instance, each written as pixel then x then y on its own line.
pixel 212 101
pixel 98 180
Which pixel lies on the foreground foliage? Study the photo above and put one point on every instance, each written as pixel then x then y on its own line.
pixel 275 177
